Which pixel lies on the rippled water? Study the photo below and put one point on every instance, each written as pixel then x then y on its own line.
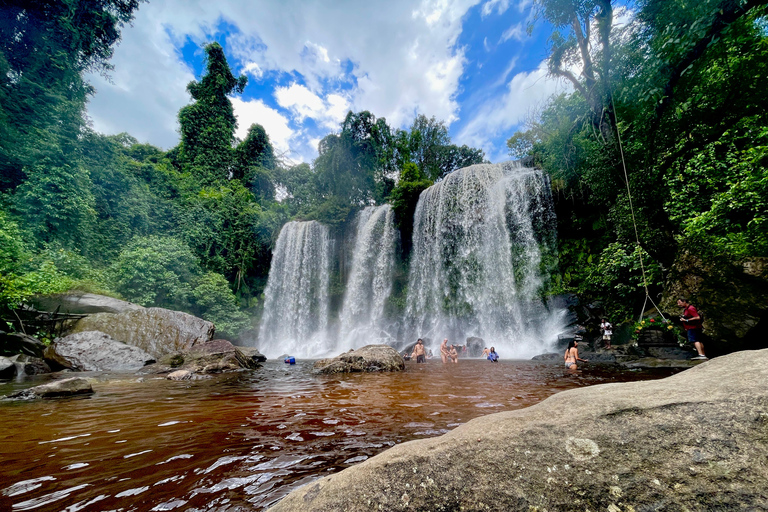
pixel 242 441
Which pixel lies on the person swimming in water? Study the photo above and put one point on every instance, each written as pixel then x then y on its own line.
pixel 572 355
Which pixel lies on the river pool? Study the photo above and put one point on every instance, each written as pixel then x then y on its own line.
pixel 241 441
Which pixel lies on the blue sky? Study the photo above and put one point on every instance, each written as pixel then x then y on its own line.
pixel 467 62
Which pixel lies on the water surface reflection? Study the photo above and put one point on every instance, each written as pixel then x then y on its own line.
pixel 242 441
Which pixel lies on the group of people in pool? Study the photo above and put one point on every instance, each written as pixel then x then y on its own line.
pixel 451 353
pixel 448 352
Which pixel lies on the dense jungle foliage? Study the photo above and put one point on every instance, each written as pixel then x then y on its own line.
pixel 190 228
pixel 678 92
pixel 680 87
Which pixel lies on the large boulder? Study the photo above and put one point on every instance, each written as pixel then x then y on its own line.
pixel 695 441
pixel 475 346
pixel 157 331
pixel 58 388
pixel 18 343
pixel 214 356
pixel 371 358
pixel 95 351
pixel 82 303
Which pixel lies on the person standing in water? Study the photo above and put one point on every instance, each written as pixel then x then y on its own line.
pixel 572 355
pixel 454 354
pixel 418 352
pixel 444 350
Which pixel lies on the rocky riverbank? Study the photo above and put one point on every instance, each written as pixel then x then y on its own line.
pixel 693 441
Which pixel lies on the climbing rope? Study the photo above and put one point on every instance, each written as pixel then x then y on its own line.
pixel 634 223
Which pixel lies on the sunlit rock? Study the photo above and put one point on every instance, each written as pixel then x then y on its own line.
pixel 157 331
pixel 693 441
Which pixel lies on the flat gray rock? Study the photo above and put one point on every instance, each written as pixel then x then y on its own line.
pixel 697 440
pixel 96 351
pixel 157 331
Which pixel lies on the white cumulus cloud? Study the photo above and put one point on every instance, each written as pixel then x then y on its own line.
pixel 500 116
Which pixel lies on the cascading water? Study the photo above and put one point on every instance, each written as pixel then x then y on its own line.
pixel 370 280
pixel 476 262
pixel 295 319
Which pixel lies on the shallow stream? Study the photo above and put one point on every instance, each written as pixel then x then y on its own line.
pixel 242 441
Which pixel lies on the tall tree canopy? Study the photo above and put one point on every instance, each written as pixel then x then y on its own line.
pixel 208 124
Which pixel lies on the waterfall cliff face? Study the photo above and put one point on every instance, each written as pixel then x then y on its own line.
pixel 295 318
pixel 476 261
pixel 370 280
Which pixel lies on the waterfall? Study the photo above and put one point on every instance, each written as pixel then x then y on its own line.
pixel 477 254
pixel 370 279
pixel 295 318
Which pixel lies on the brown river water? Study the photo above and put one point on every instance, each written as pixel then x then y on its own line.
pixel 242 441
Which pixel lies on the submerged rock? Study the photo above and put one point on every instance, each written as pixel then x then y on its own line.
pixel 693 441
pixel 155 330
pixel 59 388
pixel 95 351
pixel 371 358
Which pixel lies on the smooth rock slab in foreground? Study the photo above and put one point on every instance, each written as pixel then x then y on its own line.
pixel 371 358
pixel 58 388
pixel 695 441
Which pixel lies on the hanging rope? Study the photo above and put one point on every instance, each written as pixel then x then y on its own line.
pixel 634 222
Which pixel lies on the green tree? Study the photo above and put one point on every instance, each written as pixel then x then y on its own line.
pixel 208 124
pixel 404 199
pixel 156 271
pixel 56 202
pixel 215 302
pixel 429 147
pixel 45 46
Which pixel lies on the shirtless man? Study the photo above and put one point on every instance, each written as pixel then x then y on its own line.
pixel 454 354
pixel 444 350
pixel 486 353
pixel 418 352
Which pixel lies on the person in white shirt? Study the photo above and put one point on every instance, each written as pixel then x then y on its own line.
pixel 607 330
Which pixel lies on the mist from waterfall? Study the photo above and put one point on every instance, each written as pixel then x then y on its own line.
pixel 295 318
pixel 370 280
pixel 476 261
